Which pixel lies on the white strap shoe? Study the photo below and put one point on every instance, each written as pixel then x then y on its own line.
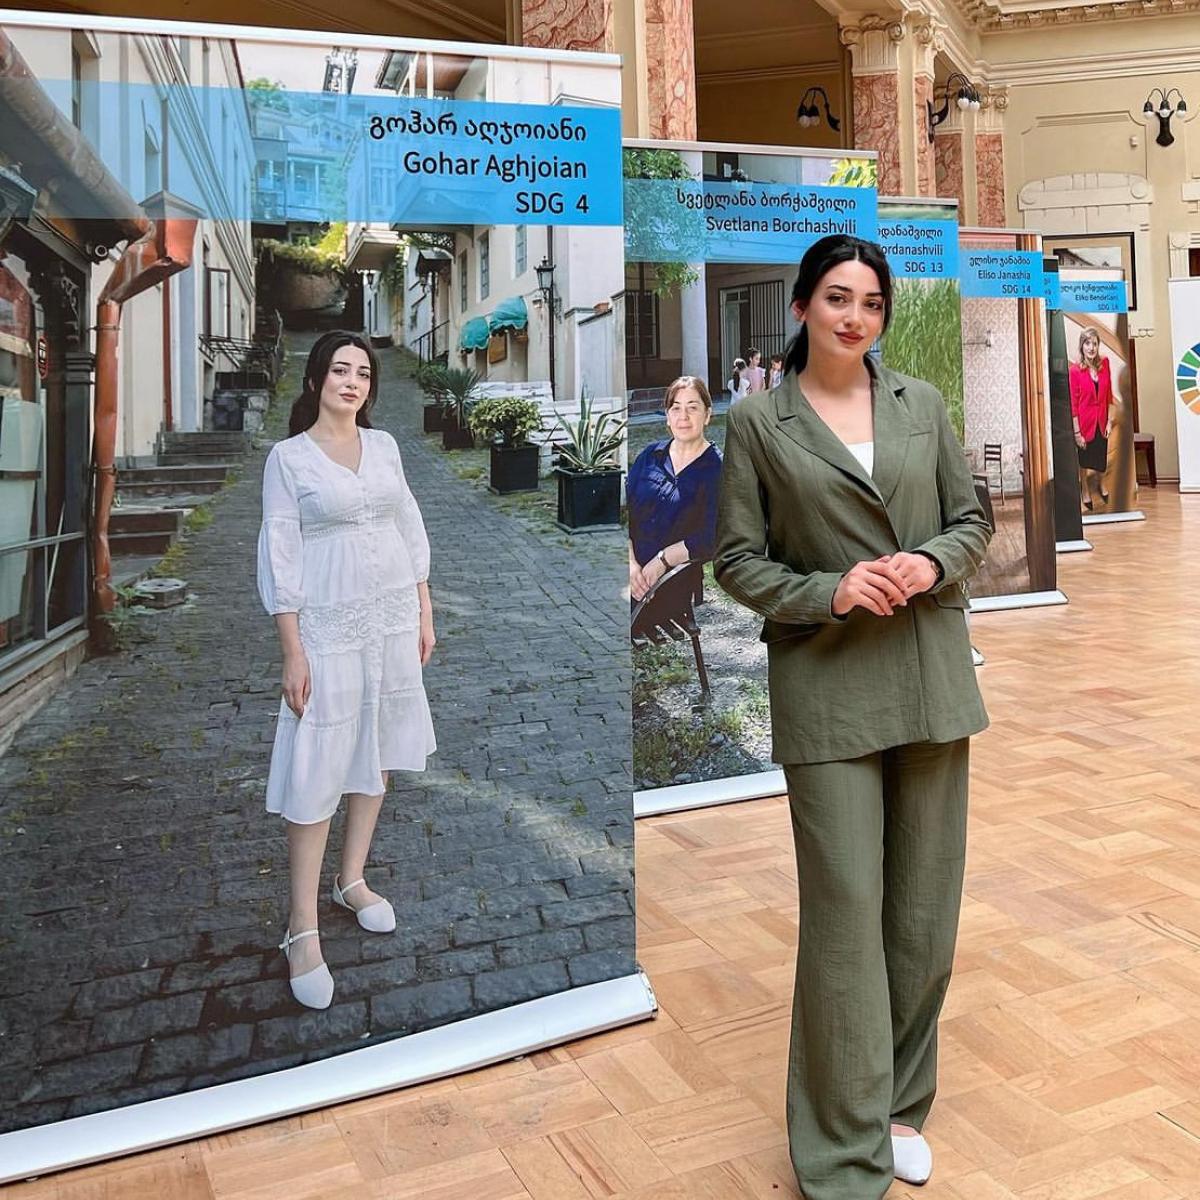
pixel 912 1157
pixel 379 917
pixel 313 989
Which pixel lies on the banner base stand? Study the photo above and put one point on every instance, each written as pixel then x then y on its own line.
pixel 681 797
pixel 418 1058
pixel 1073 547
pixel 982 604
pixel 1189 489
pixel 1114 518
pixel 977 659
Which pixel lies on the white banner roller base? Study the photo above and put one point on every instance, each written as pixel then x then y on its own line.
pixel 448 1050
pixel 683 796
pixel 1120 518
pixel 983 604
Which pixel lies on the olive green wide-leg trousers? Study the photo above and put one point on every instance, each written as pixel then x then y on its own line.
pixel 880 846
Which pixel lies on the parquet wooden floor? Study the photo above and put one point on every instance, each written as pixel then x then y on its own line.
pixel 1071 1038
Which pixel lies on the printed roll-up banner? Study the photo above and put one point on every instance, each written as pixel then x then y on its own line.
pixel 1185 343
pixel 340 568
pixel 1100 371
pixel 1000 438
pixel 713 238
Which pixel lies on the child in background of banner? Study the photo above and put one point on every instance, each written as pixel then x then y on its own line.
pixel 775 378
pixel 754 370
pixel 738 384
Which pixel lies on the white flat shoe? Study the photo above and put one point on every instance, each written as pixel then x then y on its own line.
pixel 912 1157
pixel 379 917
pixel 313 989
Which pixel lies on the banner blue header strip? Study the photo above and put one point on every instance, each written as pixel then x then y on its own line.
pixel 668 220
pixel 1008 274
pixel 920 249
pixel 320 157
pixel 1093 295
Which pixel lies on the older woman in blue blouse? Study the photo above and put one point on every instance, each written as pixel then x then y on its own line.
pixel 672 490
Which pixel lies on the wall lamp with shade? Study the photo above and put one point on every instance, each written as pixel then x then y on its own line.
pixel 1164 110
pixel 966 97
pixel 808 115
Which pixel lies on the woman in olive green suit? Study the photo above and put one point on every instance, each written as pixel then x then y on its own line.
pixel 848 520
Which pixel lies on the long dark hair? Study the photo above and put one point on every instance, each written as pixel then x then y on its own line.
pixel 819 259
pixel 307 408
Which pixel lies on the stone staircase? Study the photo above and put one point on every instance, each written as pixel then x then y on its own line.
pixel 154 502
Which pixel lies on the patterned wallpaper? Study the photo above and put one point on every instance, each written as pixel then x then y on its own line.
pixel 876 103
pixel 992 383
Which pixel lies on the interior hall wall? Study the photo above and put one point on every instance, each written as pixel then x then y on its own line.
pixel 1092 129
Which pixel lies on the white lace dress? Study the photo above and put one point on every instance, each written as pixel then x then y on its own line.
pixel 345 549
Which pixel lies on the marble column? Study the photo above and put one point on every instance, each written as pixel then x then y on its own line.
pixel 671 75
pixel 874 44
pixel 989 159
pixel 568 24
pixel 948 159
pixel 925 43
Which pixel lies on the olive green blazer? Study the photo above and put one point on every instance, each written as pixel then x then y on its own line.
pixel 796 511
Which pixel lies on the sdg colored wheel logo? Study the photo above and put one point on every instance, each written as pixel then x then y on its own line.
pixel 1187 380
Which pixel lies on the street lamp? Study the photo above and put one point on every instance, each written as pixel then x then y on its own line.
pixel 545 282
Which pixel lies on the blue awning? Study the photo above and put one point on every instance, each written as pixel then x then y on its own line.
pixel 509 314
pixel 475 334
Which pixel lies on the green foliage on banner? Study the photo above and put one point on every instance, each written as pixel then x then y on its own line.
pixel 326 256
pixel 511 418
pixel 854 172
pixel 593 443
pixel 643 212
pixel 266 93
pixel 925 339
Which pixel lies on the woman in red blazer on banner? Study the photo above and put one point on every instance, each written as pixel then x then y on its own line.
pixel 1093 407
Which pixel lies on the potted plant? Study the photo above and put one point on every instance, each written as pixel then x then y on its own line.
pixel 507 422
pixel 589 472
pixel 429 377
pixel 456 391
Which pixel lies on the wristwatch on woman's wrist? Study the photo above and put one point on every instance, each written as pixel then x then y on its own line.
pixel 662 558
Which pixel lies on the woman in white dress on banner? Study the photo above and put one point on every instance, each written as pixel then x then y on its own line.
pixel 343 565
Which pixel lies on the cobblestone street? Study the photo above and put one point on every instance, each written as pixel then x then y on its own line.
pixel 145 886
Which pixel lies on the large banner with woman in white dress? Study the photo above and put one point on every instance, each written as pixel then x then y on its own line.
pixel 354 763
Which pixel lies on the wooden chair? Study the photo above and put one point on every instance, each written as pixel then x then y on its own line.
pixel 993 456
pixel 1145 443
pixel 667 613
pixel 983 493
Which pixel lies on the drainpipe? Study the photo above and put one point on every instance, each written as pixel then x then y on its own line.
pixel 163 250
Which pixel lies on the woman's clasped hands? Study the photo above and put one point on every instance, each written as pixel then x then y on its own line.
pixel 884 584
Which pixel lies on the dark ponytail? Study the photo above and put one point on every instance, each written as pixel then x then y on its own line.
pixel 739 365
pixel 307 407
pixel 819 259
pixel 796 355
